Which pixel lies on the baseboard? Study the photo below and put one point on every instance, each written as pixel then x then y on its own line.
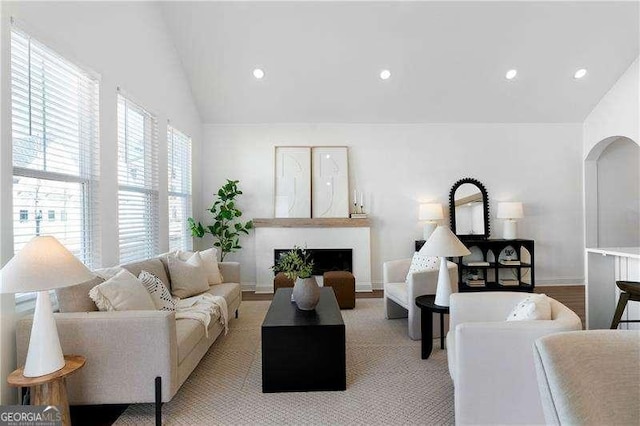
pixel 560 281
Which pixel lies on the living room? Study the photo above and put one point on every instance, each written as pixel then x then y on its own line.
pixel 536 105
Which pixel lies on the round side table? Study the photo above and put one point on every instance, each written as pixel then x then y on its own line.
pixel 428 307
pixel 50 389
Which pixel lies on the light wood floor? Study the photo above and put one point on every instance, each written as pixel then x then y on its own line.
pixel 570 295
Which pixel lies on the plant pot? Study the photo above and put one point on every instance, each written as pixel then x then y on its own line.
pixel 306 293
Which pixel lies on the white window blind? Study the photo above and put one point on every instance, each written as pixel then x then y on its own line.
pixel 55 144
pixel 179 146
pixel 138 182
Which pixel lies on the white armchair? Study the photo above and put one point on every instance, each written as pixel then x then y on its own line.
pixel 400 294
pixel 602 388
pixel 491 359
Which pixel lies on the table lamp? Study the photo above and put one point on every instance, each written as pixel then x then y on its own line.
pixel 509 212
pixel 43 264
pixel 430 212
pixel 443 243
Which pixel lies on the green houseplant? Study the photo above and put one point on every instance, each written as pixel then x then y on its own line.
pixel 294 264
pixel 297 265
pixel 226 227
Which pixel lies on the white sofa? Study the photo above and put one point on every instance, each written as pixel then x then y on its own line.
pixel 400 294
pixel 491 359
pixel 126 351
pixel 602 387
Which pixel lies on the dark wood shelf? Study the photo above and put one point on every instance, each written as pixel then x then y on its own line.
pixel 522 265
pixel 496 247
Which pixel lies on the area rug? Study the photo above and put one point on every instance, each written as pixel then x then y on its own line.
pixel 387 382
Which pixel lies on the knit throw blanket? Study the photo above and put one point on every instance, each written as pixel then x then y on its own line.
pixel 202 307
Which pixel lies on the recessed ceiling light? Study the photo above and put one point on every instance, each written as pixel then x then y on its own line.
pixel 580 73
pixel 511 74
pixel 385 74
pixel 258 73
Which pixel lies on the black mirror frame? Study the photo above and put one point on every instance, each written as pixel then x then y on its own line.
pixel 485 202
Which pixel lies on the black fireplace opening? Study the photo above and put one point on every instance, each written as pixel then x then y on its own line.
pixel 325 260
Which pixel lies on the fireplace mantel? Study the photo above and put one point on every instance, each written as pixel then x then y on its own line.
pixel 311 223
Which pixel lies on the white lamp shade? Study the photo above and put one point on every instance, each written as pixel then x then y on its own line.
pixel 510 210
pixel 431 211
pixel 42 264
pixel 444 243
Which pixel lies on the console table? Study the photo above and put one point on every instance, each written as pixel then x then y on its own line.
pixel 496 275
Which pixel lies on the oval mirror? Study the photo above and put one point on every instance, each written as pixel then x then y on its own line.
pixel 469 209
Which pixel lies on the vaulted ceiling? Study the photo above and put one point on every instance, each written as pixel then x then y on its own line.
pixel 322 60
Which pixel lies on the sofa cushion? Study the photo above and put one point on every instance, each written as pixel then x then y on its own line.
pixel 188 333
pixel 188 278
pixel 124 292
pixel 76 298
pixel 158 291
pixel 153 266
pixel 230 291
pixel 397 292
pixel 209 261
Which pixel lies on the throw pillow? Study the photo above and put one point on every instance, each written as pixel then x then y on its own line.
pixel 422 263
pixel 187 278
pixel 533 307
pixel 210 262
pixel 123 292
pixel 159 292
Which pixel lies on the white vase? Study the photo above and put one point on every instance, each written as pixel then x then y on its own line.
pixel 306 293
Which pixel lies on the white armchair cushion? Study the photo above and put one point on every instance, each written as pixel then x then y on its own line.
pixel 421 263
pixel 533 307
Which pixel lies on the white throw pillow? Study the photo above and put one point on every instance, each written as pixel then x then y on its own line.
pixel 421 263
pixel 159 292
pixel 123 292
pixel 187 278
pixel 209 260
pixel 533 307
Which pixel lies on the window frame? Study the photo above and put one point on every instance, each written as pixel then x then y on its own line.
pixel 88 176
pixel 187 197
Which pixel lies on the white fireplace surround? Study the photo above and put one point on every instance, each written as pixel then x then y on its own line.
pixel 269 239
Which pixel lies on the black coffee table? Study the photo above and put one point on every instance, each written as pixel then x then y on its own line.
pixel 428 307
pixel 303 350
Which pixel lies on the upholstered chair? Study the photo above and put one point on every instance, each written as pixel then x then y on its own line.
pixel 491 359
pixel 589 377
pixel 400 292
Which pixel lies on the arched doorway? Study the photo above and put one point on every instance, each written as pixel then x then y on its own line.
pixel 612 193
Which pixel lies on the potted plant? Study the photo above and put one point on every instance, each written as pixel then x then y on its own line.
pixel 297 265
pixel 226 227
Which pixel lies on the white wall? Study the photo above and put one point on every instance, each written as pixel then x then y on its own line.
pixel 399 166
pixel 127 44
pixel 619 195
pixel 617 113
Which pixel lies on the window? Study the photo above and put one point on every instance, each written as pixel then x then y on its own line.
pixel 179 189
pixel 137 182
pixel 55 143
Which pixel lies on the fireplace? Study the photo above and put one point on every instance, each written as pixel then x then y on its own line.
pixel 325 260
